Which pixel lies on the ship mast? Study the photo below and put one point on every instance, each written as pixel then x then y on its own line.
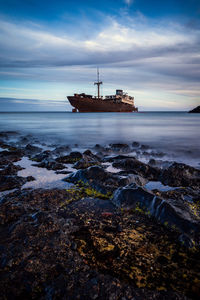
pixel 98 83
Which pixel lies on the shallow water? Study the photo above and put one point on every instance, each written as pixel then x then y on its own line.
pixel 47 179
pixel 175 133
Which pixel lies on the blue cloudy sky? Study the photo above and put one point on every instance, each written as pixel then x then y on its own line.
pixel 50 49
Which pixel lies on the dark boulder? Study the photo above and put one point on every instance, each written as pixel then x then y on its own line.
pixel 11 156
pixel 101 180
pixel 41 156
pixel 10 169
pixel 30 149
pixel 88 160
pixel 135 144
pixel 135 166
pixel 61 149
pixel 116 158
pixel 179 174
pixel 175 214
pixel 120 147
pixel 11 182
pixel 71 158
pixel 50 165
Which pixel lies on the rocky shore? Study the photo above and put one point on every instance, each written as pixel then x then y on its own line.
pixel 109 226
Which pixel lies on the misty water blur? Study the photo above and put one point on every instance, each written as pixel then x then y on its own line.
pixel 175 133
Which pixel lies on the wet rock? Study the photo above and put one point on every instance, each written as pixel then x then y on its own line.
pixel 11 212
pixel 7 134
pixel 120 147
pixel 96 177
pixel 144 147
pixel 12 156
pixel 50 165
pixel 42 156
pixel 138 180
pixel 88 160
pixel 63 172
pixel 157 154
pixel 99 179
pixel 174 214
pixel 132 165
pixel 61 149
pixel 10 169
pixel 135 144
pixel 30 149
pixel 116 158
pixel 11 182
pixel 179 174
pixel 71 158
pixel 159 163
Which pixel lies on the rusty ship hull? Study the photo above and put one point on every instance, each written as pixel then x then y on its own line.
pixel 88 104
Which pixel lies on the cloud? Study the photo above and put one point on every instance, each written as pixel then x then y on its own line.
pixel 128 2
pixel 137 55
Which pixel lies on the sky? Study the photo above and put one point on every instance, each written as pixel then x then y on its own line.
pixel 51 49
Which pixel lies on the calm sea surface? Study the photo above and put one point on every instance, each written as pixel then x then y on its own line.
pixel 175 133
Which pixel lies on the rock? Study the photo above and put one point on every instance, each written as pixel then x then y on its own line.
pixel 71 158
pixel 7 134
pixel 50 165
pixel 179 174
pixel 30 149
pixel 195 110
pixel 170 213
pixel 116 158
pixel 11 156
pixel 120 147
pixel 88 160
pixel 135 145
pixel 138 180
pixel 61 149
pixel 11 182
pixel 42 156
pixel 10 169
pixel 144 147
pixel 133 165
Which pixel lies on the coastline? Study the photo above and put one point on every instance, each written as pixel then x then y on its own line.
pixel 102 225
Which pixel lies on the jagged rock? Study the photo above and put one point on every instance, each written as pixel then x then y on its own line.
pixel 133 165
pixel 6 134
pixel 116 158
pixel 11 156
pixel 61 149
pixel 144 147
pixel 138 180
pixel 10 169
pixel 120 147
pixel 179 174
pixel 11 182
pixel 30 149
pixel 135 144
pixel 173 213
pixel 50 165
pixel 88 160
pixel 103 181
pixel 47 154
pixel 71 158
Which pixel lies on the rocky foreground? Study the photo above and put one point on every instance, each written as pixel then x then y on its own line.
pixel 106 235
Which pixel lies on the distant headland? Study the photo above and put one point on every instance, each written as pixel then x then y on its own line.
pixel 195 110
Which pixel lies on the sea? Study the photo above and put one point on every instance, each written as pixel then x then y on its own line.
pixel 176 134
